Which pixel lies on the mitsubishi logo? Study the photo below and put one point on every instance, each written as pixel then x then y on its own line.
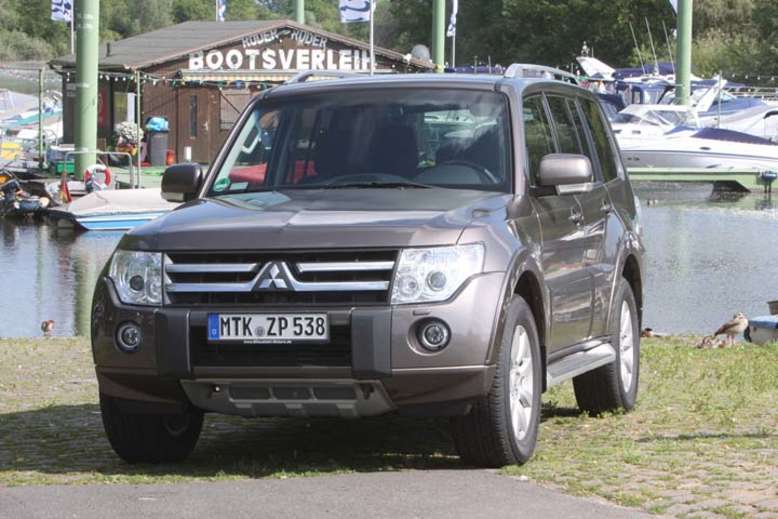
pixel 274 275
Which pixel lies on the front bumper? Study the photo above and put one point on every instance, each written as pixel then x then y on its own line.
pixel 386 369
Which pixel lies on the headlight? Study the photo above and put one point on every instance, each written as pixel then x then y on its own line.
pixel 434 274
pixel 137 276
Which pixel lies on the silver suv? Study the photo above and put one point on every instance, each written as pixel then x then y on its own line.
pixel 436 245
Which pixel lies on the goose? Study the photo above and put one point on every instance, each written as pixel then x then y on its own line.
pixel 733 328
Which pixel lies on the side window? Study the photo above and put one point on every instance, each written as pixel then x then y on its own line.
pixel 246 165
pixel 579 128
pixel 567 136
pixel 537 132
pixel 602 143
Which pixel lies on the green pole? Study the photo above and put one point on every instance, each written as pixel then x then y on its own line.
pixel 299 11
pixel 40 120
pixel 438 33
pixel 684 60
pixel 87 47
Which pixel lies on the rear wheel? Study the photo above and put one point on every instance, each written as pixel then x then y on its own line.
pixel 615 385
pixel 502 427
pixel 150 438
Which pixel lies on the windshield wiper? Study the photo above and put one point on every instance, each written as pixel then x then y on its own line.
pixel 377 185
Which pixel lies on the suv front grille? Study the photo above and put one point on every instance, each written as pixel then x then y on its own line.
pixel 282 278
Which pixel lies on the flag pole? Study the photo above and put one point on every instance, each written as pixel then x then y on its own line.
pixel 372 39
pixel 454 50
pixel 216 9
pixel 72 32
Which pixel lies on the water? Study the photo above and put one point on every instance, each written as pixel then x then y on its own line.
pixel 707 259
pixel 46 273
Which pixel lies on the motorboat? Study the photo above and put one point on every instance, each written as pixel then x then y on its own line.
pixel 638 121
pixel 112 210
pixel 705 148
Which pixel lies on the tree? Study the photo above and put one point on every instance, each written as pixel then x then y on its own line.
pixel 185 10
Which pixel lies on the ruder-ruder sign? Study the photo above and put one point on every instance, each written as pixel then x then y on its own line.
pixel 281 49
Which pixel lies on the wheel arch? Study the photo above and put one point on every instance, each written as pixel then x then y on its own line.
pixel 529 288
pixel 631 272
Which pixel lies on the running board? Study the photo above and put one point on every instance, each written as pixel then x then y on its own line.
pixel 578 363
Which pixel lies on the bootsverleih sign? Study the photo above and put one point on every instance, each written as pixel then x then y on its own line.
pixel 281 49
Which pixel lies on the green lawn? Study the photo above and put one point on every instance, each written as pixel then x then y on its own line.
pixel 704 437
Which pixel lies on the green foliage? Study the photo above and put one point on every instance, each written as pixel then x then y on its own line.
pixel 185 10
pixel 733 36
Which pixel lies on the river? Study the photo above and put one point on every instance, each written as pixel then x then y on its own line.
pixel 708 257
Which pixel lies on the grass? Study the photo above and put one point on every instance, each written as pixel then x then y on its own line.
pixel 703 438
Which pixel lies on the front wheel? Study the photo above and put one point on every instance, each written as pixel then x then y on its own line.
pixel 502 427
pixel 615 385
pixel 150 438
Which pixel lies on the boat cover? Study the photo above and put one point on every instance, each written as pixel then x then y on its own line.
pixel 115 201
pixel 721 134
pixel 768 321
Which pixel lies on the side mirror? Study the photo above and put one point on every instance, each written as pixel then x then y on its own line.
pixel 566 172
pixel 181 182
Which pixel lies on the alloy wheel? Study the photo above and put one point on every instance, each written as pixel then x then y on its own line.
pixel 521 383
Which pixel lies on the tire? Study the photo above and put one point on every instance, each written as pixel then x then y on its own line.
pixel 150 438
pixel 610 388
pixel 491 435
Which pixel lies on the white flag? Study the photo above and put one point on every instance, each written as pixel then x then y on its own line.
pixel 61 10
pixel 674 3
pixel 452 24
pixel 355 10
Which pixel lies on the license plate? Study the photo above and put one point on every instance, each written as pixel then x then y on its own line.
pixel 268 328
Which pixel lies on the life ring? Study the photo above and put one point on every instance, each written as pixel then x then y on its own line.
pixel 99 175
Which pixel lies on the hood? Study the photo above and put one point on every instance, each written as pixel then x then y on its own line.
pixel 314 219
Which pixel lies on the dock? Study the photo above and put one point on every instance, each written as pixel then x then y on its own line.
pixel 736 179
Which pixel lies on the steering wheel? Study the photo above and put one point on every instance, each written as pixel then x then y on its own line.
pixel 482 171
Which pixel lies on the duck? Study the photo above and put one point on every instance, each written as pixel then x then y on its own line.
pixel 732 328
pixel 47 327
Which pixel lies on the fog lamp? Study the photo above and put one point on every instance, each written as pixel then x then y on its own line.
pixel 434 334
pixel 128 337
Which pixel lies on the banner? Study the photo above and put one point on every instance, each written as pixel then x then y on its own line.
pixel 355 11
pixel 62 10
pixel 674 3
pixel 452 24
pixel 221 9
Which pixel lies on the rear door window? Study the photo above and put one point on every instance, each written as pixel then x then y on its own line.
pixel 606 151
pixel 537 132
pixel 586 144
pixel 567 134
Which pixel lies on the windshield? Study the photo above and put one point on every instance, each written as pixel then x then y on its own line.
pixel 411 138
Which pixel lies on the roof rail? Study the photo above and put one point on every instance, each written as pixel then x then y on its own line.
pixel 304 76
pixel 528 70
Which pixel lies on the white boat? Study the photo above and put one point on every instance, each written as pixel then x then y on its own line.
pixel 112 210
pixel 706 148
pixel 672 136
pixel 638 121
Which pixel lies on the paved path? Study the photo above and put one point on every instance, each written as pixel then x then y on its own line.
pixel 396 495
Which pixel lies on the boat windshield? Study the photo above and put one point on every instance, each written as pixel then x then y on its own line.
pixel 653 118
pixel 374 138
